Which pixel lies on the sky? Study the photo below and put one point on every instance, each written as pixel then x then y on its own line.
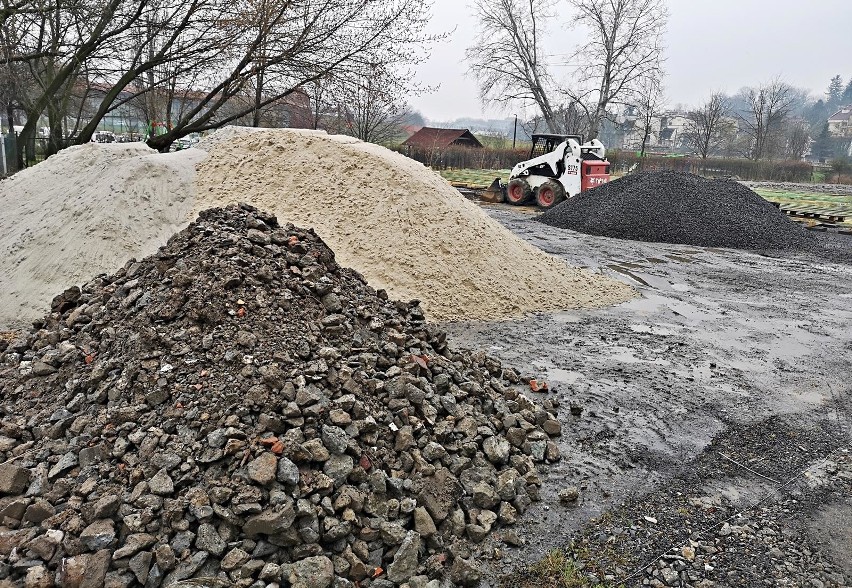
pixel 711 45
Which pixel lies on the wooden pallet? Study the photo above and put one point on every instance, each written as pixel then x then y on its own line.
pixel 830 214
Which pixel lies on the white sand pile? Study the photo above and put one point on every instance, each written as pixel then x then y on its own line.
pixel 84 211
pixel 89 209
pixel 399 224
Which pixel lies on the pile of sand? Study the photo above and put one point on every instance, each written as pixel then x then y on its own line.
pixel 399 224
pixel 88 209
pixel 85 211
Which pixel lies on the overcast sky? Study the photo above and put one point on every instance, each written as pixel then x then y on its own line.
pixel 711 45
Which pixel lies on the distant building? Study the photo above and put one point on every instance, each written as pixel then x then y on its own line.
pixel 432 138
pixel 840 123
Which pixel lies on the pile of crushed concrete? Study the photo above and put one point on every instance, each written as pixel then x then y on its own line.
pixel 239 407
pixel 677 207
pixel 84 211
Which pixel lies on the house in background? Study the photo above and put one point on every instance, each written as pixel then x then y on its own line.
pixel 432 138
pixel 840 123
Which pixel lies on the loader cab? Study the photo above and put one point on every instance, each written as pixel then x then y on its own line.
pixel 546 143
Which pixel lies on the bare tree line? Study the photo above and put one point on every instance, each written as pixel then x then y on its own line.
pixel 622 55
pixel 617 66
pixel 195 64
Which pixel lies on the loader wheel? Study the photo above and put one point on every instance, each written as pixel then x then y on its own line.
pixel 518 192
pixel 549 194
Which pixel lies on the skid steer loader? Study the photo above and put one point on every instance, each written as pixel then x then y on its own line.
pixel 559 167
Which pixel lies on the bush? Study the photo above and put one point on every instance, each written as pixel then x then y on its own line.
pixel 744 169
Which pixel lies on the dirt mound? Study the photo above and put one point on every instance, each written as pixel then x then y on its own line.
pixel 85 211
pixel 399 224
pixel 676 207
pixel 238 406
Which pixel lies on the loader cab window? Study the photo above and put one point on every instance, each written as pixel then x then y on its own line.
pixel 547 143
pixel 542 145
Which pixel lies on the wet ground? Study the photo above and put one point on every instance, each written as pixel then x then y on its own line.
pixel 719 341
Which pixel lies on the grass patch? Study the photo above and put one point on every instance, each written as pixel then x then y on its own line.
pixel 554 570
pixel 475 178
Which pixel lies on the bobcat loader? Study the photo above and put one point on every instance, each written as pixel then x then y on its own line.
pixel 559 167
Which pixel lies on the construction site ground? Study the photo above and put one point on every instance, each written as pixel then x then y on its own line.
pixel 724 385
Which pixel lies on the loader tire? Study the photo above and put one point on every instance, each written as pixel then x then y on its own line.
pixel 518 192
pixel 549 194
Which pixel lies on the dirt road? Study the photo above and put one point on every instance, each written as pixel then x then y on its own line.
pixel 724 349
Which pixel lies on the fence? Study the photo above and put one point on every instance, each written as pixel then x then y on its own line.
pixel 8 157
pixel 35 149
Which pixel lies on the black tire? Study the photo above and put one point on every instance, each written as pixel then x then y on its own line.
pixel 549 194
pixel 518 192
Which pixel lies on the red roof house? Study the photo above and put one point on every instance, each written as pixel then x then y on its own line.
pixel 432 138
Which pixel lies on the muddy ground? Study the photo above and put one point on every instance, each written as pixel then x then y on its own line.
pixel 724 349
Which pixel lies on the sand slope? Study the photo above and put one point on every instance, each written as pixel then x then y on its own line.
pixel 84 211
pixel 399 224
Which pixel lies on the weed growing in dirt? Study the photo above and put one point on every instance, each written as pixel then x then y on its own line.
pixel 554 570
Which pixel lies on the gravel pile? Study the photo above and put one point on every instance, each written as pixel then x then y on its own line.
pixel 238 406
pixel 676 207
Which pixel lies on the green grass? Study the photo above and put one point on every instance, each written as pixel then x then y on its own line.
pixel 475 178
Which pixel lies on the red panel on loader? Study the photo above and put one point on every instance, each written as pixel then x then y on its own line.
pixel 594 173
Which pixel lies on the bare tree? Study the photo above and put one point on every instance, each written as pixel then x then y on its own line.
pixel 708 124
pixel 624 48
pixel 650 99
pixel 190 65
pixel 797 139
pixel 507 59
pixel 767 108
pixel 374 103
pixel 65 36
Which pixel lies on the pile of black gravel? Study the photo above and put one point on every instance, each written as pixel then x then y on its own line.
pixel 676 207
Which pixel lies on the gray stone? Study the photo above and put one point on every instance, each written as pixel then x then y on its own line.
pixel 440 493
pixel 311 572
pixel 288 472
pixel 262 470
pixel 66 462
pixel 496 449
pixel 161 484
pixel 186 568
pixel 99 535
pixel 423 523
pixel 392 533
pixel 106 506
pixel 270 522
pixel 406 559
pixel 208 539
pixel 13 480
pixel 465 573
pixel 134 543
pixel 335 439
pixel 42 369
pixel 569 495
pixel 338 467
pixel 39 510
pixel 331 302
pixel 271 572
pixel 484 495
pixel 140 564
pixel 234 559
